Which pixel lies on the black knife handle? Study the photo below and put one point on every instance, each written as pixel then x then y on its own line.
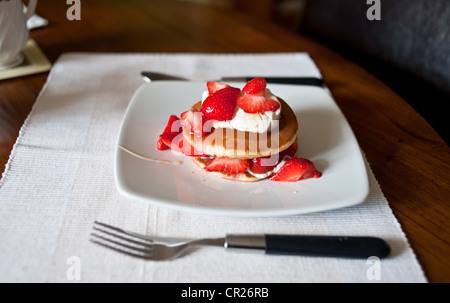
pixel 294 80
pixel 327 246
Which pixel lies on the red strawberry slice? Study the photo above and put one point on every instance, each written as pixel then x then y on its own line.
pixel 172 141
pixel 296 169
pixel 227 165
pixel 215 86
pixel 172 120
pixel 257 104
pixel 221 105
pixel 172 129
pixel 256 86
pixel 194 121
pixel 160 145
pixel 257 166
pixel 290 151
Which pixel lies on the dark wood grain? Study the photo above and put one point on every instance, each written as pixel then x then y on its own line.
pixel 409 159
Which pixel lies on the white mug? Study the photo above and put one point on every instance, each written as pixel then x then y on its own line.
pixel 13 31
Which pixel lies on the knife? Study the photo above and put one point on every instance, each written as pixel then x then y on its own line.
pixel 153 76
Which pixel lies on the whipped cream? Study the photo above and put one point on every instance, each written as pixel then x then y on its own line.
pixel 254 123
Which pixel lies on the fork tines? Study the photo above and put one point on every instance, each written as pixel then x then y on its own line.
pixel 122 241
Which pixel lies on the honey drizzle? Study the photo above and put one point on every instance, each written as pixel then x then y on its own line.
pixel 148 158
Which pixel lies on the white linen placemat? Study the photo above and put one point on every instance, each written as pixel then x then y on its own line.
pixel 59 179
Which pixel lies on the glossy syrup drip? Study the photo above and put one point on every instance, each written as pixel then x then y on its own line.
pixel 148 158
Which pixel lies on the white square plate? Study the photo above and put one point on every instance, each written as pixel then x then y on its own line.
pixel 324 137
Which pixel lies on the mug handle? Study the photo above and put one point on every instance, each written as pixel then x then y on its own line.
pixel 31 8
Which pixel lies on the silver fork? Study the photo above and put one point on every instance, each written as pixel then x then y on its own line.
pixel 148 248
pixel 145 247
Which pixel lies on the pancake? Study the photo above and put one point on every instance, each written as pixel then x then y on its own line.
pixel 244 145
pixel 243 177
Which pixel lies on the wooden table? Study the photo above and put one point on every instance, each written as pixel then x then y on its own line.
pixel 410 161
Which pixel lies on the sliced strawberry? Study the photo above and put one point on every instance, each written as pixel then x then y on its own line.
pixel 290 151
pixel 221 105
pixel 194 121
pixel 188 150
pixel 257 166
pixel 227 165
pixel 172 141
pixel 296 169
pixel 266 164
pixel 172 129
pixel 160 145
pixel 257 104
pixel 215 86
pixel 256 86
pixel 172 120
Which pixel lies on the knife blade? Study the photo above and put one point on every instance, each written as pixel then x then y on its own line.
pixel 154 76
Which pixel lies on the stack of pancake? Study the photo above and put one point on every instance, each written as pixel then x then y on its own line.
pixel 241 135
pixel 244 145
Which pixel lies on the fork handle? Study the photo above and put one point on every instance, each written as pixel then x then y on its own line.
pixel 327 246
pixel 322 246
